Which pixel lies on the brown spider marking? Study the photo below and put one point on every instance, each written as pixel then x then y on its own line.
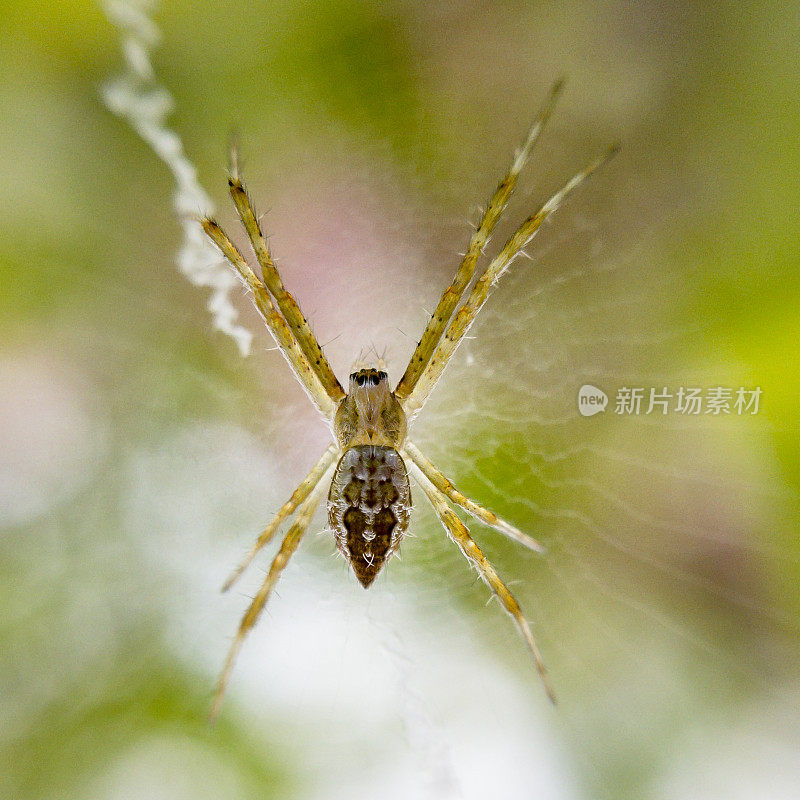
pixel 369 506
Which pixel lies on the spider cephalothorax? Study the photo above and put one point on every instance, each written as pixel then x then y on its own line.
pixel 369 500
pixel 370 413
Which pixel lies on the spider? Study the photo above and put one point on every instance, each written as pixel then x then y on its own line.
pixel 371 456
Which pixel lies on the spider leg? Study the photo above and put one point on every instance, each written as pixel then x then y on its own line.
pixel 277 325
pixel 445 486
pixel 441 316
pixel 457 531
pixel 288 546
pixel 465 316
pixel 286 302
pixel 287 509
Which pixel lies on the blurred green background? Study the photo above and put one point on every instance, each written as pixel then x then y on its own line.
pixel 140 453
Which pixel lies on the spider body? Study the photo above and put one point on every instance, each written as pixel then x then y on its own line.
pixel 371 456
pixel 369 502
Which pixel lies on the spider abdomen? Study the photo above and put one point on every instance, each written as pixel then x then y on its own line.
pixel 369 505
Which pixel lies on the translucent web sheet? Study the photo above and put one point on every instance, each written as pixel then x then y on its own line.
pixel 654 525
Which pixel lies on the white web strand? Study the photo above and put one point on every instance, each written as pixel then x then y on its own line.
pixel 136 95
pixel 534 388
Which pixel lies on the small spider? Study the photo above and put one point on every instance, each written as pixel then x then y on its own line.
pixel 369 499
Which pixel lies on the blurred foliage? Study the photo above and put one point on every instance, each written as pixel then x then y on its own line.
pixel 109 360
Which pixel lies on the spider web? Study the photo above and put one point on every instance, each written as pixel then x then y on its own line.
pixel 652 524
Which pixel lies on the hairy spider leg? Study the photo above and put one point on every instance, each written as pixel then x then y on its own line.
pixel 286 302
pixel 287 509
pixel 444 310
pixel 280 331
pixel 458 533
pixel 465 316
pixel 444 485
pixel 287 549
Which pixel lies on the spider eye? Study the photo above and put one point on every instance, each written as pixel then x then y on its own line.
pixel 368 377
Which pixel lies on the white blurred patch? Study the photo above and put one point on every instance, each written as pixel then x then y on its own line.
pixel 51 444
pixel 757 755
pixel 164 767
pixel 371 681
pixel 193 495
